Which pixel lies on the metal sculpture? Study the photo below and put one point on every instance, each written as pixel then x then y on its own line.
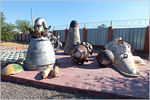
pixel 12 69
pixel 55 71
pixel 81 53
pixel 40 53
pixel 46 72
pixel 73 36
pixel 38 32
pixel 124 61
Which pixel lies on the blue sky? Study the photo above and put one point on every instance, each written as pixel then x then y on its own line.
pixel 63 12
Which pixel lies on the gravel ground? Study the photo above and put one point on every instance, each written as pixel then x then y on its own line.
pixel 10 90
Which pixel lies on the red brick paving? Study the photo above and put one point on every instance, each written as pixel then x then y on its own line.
pixel 90 78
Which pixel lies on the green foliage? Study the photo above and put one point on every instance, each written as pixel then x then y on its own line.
pixel 102 26
pixel 2 18
pixel 20 25
pixel 6 29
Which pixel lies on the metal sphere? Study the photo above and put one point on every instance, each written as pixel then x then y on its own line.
pixel 105 58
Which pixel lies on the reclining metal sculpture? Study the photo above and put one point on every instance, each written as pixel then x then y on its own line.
pixel 40 53
pixel 124 61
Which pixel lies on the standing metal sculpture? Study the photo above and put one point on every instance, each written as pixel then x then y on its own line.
pixel 40 53
pixel 73 36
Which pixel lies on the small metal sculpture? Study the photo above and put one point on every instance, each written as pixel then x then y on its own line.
pixel 81 53
pixel 73 36
pixel 12 69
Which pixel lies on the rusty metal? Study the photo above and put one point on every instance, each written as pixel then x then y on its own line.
pixel 73 36
pixel 55 71
pixel 105 58
pixel 46 72
pixel 81 53
pixel 38 33
pixel 89 47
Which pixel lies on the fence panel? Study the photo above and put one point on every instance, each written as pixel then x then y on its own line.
pixel 97 36
pixel 61 34
pixel 23 37
pixel 15 37
pixel 27 37
pixel 142 38
pixel 81 34
pixel 19 37
pixel 134 36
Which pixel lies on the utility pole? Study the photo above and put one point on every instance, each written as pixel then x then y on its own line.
pixel 31 13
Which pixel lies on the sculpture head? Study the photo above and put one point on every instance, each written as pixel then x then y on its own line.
pixel 74 24
pixel 39 22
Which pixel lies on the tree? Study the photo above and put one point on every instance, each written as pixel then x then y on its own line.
pixel 6 29
pixel 20 25
pixel 102 26
pixel 2 18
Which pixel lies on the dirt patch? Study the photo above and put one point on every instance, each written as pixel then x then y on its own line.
pixel 19 45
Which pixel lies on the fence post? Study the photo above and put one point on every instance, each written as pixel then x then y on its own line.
pixel 14 37
pixel 25 37
pixel 21 37
pixel 66 34
pixel 110 34
pixel 146 45
pixel 84 34
pixel 17 37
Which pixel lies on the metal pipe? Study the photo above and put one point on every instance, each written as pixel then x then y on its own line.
pixel 39 22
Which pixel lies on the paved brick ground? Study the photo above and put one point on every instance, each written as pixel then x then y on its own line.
pixel 90 78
